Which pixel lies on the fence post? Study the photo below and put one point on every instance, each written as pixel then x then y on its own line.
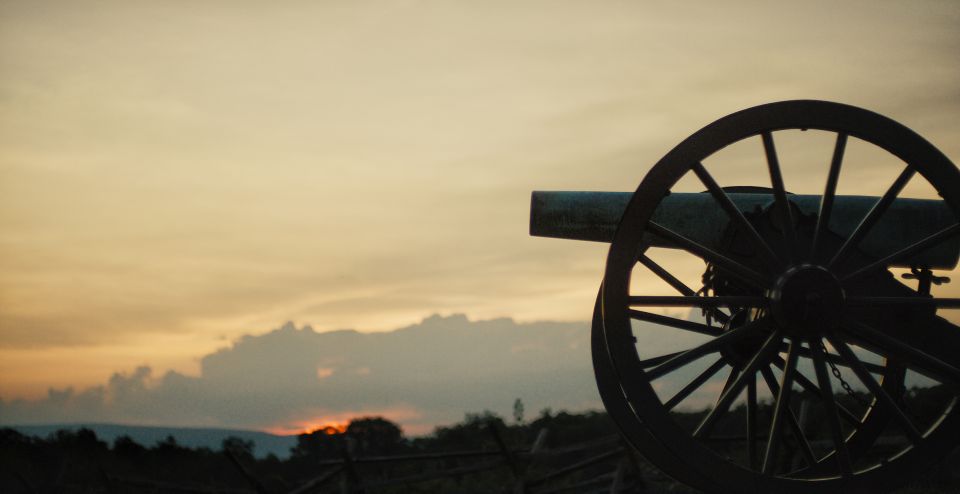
pixel 317 482
pixel 803 420
pixel 257 486
pixel 107 481
pixel 540 442
pixel 515 468
pixel 619 476
pixel 504 450
pixel 26 483
pixel 520 487
pixel 350 481
pixel 617 485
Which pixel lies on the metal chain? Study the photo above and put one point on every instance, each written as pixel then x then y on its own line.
pixel 843 383
pixel 708 279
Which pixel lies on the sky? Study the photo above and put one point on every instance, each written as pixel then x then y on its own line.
pixel 175 176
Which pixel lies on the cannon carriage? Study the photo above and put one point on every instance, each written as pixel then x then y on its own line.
pixel 805 364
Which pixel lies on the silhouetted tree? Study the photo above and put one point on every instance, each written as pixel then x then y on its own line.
pixel 375 436
pixel 319 444
pixel 472 433
pixel 83 440
pixel 518 411
pixel 566 428
pixel 11 438
pixel 240 448
pixel 125 447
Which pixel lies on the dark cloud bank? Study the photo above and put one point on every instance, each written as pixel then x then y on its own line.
pixel 420 376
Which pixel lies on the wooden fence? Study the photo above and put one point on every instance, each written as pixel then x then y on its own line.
pixel 604 465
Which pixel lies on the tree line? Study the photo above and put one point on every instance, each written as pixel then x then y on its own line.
pixel 79 458
pixel 72 461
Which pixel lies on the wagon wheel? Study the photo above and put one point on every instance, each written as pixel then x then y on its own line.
pixel 806 303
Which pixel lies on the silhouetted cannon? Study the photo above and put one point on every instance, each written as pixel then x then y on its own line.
pixel 804 364
pixel 594 216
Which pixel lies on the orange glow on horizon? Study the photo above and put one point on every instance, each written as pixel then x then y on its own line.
pixel 309 427
pixel 336 422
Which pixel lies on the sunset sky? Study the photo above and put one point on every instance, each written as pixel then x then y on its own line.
pixel 175 175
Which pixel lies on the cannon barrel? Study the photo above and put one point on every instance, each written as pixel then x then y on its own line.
pixel 594 216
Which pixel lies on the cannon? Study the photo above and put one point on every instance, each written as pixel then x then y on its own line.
pixel 748 339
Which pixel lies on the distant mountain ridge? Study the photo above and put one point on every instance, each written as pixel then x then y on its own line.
pixel 191 437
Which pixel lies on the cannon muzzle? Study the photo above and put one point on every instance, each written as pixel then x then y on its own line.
pixel 594 216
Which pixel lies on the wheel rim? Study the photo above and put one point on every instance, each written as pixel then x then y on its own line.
pixel 621 412
pixel 835 470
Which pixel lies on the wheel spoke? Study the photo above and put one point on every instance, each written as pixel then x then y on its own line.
pixel 830 404
pixel 723 404
pixel 655 361
pixel 752 422
pixel 826 202
pixel 736 215
pixel 709 347
pixel 681 301
pixel 674 322
pixel 782 405
pixel 678 285
pixel 733 267
pixel 906 354
pixel 665 275
pixel 734 372
pixel 780 195
pixel 904 253
pixel 873 216
pixel 809 386
pixel 695 384
pixel 792 421
pixel 882 396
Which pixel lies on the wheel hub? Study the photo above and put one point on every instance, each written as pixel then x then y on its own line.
pixel 807 300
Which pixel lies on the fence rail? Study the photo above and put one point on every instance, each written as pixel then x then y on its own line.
pixel 536 469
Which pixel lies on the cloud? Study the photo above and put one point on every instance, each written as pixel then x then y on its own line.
pixel 291 378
